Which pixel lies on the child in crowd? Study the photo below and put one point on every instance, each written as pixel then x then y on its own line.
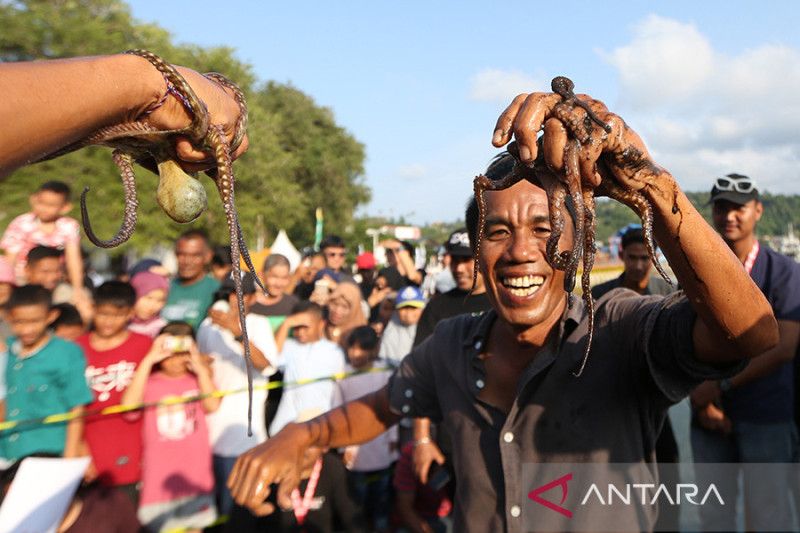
pixel 43 376
pixel 220 337
pixel 398 337
pixel 177 479
pixel 369 464
pixel 47 224
pixel 68 324
pixel 112 355
pixel 7 283
pixel 45 267
pixel 309 355
pixel 152 290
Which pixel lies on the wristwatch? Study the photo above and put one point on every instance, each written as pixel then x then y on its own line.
pixel 725 385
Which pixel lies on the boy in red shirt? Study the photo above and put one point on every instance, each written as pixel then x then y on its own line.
pixel 112 355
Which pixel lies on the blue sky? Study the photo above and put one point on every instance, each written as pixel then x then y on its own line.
pixel 711 86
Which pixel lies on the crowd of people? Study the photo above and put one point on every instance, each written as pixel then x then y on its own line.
pixel 451 385
pixel 146 336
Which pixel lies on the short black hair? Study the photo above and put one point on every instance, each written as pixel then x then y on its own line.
pixel 332 241
pixel 222 256
pixel 38 253
pixel 116 293
pixel 68 315
pixel 363 336
pixel 195 234
pixel 29 295
pixel 632 236
pixel 58 187
pixel 306 306
pixel 178 329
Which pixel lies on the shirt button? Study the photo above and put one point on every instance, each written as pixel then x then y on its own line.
pixel 515 511
pixel 478 345
pixel 405 409
pixel 42 388
pixel 14 412
pixel 508 436
pixel 18 366
pixel 14 437
pixel 409 393
pixel 479 383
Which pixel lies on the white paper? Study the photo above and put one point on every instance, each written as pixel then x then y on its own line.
pixel 40 494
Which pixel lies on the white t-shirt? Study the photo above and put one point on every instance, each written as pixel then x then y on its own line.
pixel 380 452
pixel 227 426
pixel 307 361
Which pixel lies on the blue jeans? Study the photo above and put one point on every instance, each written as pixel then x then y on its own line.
pixel 768 505
pixel 373 493
pixel 223 466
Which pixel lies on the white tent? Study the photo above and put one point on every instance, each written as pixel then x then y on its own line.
pixel 282 245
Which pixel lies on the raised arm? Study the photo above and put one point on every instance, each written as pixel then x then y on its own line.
pixel 735 319
pixel 279 459
pixel 47 105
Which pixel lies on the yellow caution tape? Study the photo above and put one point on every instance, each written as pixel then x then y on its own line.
pixel 172 400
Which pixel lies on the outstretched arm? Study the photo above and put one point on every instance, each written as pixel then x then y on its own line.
pixel 279 459
pixel 735 319
pixel 47 105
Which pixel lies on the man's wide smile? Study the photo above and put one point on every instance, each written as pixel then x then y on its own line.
pixel 522 286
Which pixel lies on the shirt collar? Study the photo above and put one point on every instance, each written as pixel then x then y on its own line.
pixel 16 348
pixel 479 331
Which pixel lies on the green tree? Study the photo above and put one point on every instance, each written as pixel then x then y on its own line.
pixel 299 158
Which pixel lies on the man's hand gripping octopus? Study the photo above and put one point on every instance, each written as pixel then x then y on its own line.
pixel 584 151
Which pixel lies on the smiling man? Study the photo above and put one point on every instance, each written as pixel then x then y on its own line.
pixel 503 383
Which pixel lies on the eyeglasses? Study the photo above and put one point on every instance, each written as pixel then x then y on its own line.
pixel 745 185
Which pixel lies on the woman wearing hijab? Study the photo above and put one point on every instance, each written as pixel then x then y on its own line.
pixel 345 312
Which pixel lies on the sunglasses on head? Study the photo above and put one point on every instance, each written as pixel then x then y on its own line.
pixel 745 185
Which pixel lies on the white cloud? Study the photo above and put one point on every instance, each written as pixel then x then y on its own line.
pixel 497 85
pixel 413 171
pixel 705 113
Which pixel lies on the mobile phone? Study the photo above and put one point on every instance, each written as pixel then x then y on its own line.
pixel 221 305
pixel 177 343
pixel 438 476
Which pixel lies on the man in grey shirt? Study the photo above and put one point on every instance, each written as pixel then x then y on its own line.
pixel 504 382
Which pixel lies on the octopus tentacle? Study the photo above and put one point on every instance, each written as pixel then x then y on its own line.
pixel 225 185
pixel 641 206
pixel 480 185
pixel 589 250
pixel 572 180
pixel 125 164
pixel 556 194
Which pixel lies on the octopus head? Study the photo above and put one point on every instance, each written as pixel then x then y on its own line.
pixel 180 195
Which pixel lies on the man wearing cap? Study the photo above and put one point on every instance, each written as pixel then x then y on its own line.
pixel 219 336
pixel 365 263
pixel 749 418
pixel 463 298
pixel 398 337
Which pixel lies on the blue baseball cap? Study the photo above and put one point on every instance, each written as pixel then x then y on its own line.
pixel 410 297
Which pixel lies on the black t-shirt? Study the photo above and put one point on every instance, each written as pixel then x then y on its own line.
pixel 451 303
pixel 331 499
pixel 395 279
pixel 282 308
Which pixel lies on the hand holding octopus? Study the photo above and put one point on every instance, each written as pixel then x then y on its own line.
pixel 585 150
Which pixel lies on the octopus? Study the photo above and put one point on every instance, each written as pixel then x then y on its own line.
pixel 574 184
pixel 179 194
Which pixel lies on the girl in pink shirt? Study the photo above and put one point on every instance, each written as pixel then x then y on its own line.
pixel 177 478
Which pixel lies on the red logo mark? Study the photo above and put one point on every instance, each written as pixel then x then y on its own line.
pixel 560 482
